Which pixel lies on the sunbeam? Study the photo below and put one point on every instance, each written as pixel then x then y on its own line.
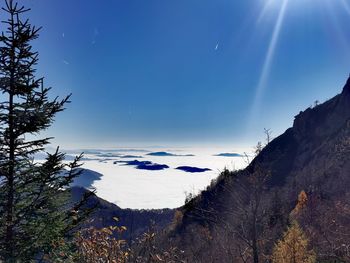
pixel 337 28
pixel 264 11
pixel 267 63
pixel 346 6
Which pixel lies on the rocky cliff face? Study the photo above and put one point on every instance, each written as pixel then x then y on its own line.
pixel 325 119
pixel 312 156
pixel 318 133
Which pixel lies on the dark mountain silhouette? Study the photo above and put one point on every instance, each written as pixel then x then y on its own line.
pixel 311 156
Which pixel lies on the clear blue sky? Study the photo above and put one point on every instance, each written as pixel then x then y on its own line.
pixel 186 72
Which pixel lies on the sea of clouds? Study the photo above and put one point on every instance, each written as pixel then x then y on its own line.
pixel 154 178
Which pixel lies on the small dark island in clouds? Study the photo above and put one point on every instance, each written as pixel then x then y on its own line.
pixel 109 155
pixel 228 155
pixel 130 156
pixel 168 154
pixel 152 167
pixel 190 169
pixel 134 162
pixel 148 165
pixel 115 155
pixel 144 165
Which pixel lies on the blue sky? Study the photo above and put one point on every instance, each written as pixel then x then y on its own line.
pixel 188 72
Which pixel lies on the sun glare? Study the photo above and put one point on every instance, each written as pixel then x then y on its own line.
pixel 268 58
pixel 282 7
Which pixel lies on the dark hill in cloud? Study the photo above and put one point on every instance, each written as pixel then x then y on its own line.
pixel 167 154
pixel 144 165
pixel 115 155
pixel 109 155
pixel 190 169
pixel 229 155
pixel 152 167
pixel 130 156
pixel 134 162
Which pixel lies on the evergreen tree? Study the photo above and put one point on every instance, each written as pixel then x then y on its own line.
pixel 33 196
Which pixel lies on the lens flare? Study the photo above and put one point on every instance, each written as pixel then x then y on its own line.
pixel 267 62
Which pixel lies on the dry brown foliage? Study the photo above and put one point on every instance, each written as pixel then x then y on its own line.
pixel 293 247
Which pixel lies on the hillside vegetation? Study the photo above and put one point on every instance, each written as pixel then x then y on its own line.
pixel 301 176
pixel 291 204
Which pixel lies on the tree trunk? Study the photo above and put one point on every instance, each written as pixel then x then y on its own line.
pixel 11 169
pixel 10 179
pixel 255 251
